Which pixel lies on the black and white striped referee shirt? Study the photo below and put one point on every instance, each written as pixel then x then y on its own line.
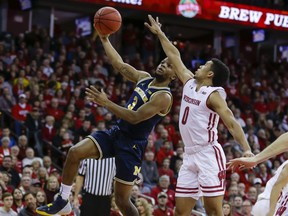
pixel 98 175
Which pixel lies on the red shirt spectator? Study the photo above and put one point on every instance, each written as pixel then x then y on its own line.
pixel 48 132
pixel 20 110
pixel 164 182
pixel 54 110
pixel 164 152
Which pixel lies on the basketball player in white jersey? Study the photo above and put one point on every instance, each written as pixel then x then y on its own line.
pixel 266 202
pixel 203 101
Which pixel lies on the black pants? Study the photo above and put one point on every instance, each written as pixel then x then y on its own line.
pixel 93 205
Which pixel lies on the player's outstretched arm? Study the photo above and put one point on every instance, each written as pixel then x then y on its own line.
pixel 279 146
pixel 170 50
pixel 277 188
pixel 159 103
pixel 129 72
pixel 219 105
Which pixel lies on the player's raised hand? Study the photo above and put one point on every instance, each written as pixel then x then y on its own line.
pixel 242 163
pixel 154 26
pixel 96 96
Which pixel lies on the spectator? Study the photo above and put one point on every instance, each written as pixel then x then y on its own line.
pixel 6 209
pixel 30 205
pixel 246 208
pixel 48 132
pixel 165 170
pixel 150 173
pixel 143 207
pixel 164 152
pixel 27 171
pixel 7 166
pixel 176 157
pixel 241 189
pixel 227 209
pixel 83 131
pixel 30 157
pixel 4 148
pixel 252 194
pixel 19 112
pixel 163 186
pixel 43 176
pixel 33 124
pixel 16 163
pixel 41 198
pixel 258 184
pixel 47 163
pixel 237 205
pixel 51 188
pixel 18 203
pixel 150 145
pixel 6 182
pixel 164 135
pixel 6 132
pixel 162 209
pixel 36 164
pixel 135 192
pixel 23 145
pixel 263 173
pixel 232 193
pixel 26 182
pixel 7 101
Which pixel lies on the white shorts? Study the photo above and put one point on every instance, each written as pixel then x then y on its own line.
pixel 261 207
pixel 203 173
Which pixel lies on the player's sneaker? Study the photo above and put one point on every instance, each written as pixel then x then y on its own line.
pixel 59 206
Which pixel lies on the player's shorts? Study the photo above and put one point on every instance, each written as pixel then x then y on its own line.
pixel 128 153
pixel 261 207
pixel 202 173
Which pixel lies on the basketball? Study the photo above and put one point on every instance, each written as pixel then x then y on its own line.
pixel 107 20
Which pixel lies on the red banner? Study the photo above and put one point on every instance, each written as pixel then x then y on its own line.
pixel 208 10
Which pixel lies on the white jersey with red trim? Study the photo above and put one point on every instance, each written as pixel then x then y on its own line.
pixel 282 204
pixel 269 185
pixel 198 123
pixel 261 207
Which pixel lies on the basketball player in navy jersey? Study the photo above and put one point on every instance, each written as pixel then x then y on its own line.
pixel 148 104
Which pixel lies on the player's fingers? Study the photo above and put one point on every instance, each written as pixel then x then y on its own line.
pixel 151 19
pixel 147 25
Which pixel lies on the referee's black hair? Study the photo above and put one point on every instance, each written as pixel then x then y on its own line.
pixel 221 72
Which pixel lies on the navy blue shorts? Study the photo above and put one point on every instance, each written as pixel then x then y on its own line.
pixel 128 152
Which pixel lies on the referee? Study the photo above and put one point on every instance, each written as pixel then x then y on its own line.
pixel 95 178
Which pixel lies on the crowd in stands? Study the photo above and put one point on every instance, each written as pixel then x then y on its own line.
pixel 44 113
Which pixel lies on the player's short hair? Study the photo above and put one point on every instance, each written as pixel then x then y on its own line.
pixel 221 72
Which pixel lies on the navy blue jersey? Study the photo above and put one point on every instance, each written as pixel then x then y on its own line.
pixel 141 95
pixel 127 142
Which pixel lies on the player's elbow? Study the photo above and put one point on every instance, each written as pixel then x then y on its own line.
pixel 117 63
